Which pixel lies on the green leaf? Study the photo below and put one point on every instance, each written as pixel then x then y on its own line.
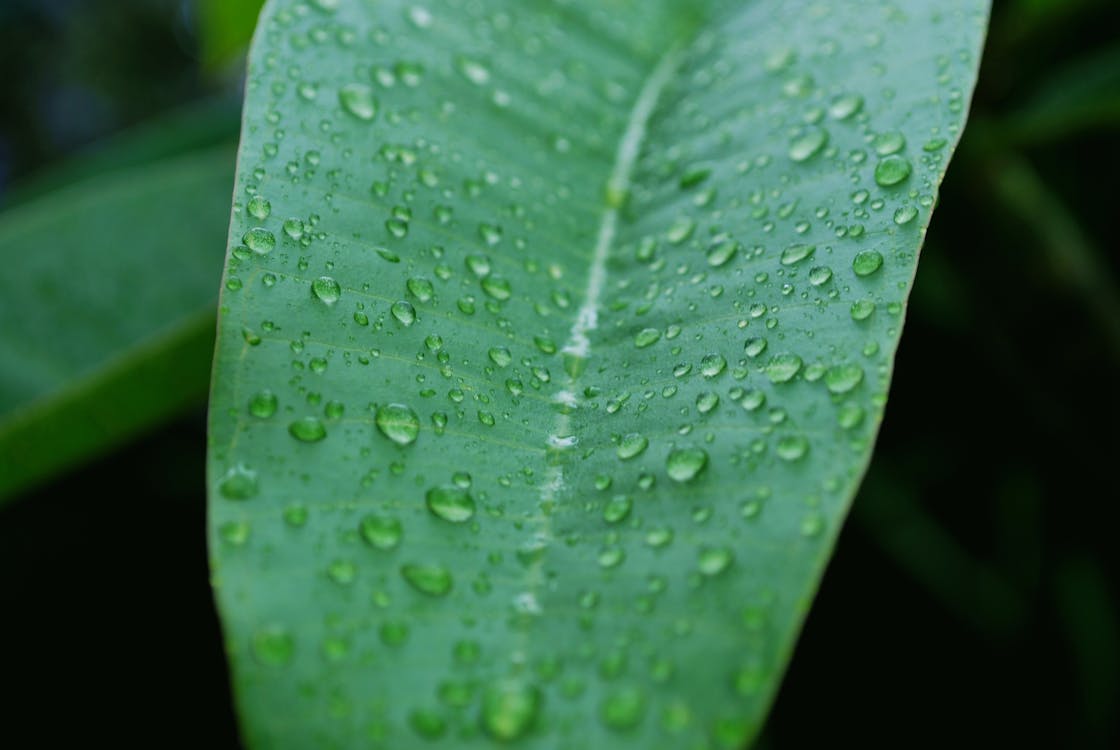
pixel 544 384
pixel 107 315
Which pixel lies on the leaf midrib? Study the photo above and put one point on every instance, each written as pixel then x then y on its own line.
pixel 578 343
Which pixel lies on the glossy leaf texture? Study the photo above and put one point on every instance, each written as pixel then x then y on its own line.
pixel 107 309
pixel 553 345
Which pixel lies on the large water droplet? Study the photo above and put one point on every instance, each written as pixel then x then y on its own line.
pixel 326 290
pixel 796 253
pixel 433 580
pixel 358 100
pixel 684 464
pixel 273 646
pixel 867 262
pixel 380 532
pixel 804 147
pixel 239 483
pixel 451 503
pixel 843 378
pixel 260 241
pixel 892 170
pixel 783 367
pixel 509 709
pixel 623 709
pixel 632 445
pixel 647 337
pixel 307 430
pixel 714 560
pixel 398 422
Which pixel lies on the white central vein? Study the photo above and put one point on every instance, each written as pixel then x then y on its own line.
pixel 578 343
pixel 618 186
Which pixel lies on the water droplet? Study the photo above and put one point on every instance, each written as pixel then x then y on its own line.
pixel 263 404
pixel 792 447
pixel 617 509
pixel 380 532
pixel 500 356
pixel 239 483
pixel 451 503
pixel 632 445
pixel 420 288
pixel 843 378
pixel 844 106
pixel 398 422
pixel 403 312
pixel 358 100
pixel 684 464
pixel 509 709
pixel 647 337
pixel 624 709
pixel 721 252
pixel 707 401
pixel 473 71
pixel 783 367
pixel 886 144
pixel 861 309
pixel 797 253
pixel 326 290
pixel 805 146
pixel 497 287
pixel 892 170
pixel 905 214
pixel 342 572
pixel 712 365
pixel 820 275
pixel 307 430
pixel 273 646
pixel 259 208
pixel 680 230
pixel 867 262
pixel 260 241
pixel 752 347
pixel 433 580
pixel 714 560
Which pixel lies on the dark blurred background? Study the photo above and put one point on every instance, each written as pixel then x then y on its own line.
pixel 972 598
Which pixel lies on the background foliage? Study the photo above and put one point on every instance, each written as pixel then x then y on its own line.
pixel 973 590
